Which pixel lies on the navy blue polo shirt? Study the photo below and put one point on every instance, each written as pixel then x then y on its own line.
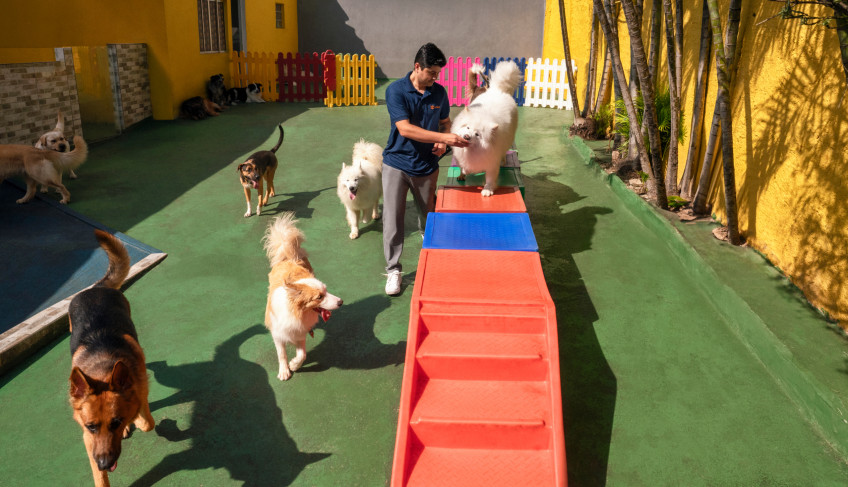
pixel 422 109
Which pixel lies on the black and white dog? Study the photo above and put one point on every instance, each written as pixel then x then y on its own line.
pixel 251 94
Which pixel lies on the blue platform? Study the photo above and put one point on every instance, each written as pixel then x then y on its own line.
pixel 480 231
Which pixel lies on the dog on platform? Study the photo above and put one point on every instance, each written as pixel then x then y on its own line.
pixel 252 93
pixel 474 87
pixel 258 168
pixel 296 299
pixel 40 166
pixel 108 381
pixel 489 124
pixel 360 185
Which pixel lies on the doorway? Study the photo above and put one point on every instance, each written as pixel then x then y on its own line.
pixel 237 24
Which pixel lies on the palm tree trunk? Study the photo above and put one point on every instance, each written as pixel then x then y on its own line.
pixel 572 87
pixel 699 205
pixel 593 62
pixel 634 83
pixel 653 56
pixel 842 34
pixel 674 130
pixel 698 106
pixel 650 114
pixel 615 59
pixel 603 86
pixel 678 44
pixel 723 100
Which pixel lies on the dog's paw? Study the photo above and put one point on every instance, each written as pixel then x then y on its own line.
pixel 44 189
pixel 354 233
pixel 377 215
pixel 285 373
pixel 487 192
pixel 295 363
pixel 461 177
pixel 247 214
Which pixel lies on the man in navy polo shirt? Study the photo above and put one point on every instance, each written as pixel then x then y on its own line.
pixel 419 111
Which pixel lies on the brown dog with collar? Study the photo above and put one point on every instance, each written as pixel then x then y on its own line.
pixel 260 167
pixel 108 382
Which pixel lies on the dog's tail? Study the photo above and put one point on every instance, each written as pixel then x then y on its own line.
pixel 119 260
pixel 279 142
pixel 368 151
pixel 69 160
pixel 505 77
pixel 283 240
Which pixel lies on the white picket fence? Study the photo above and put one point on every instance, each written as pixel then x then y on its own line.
pixel 546 83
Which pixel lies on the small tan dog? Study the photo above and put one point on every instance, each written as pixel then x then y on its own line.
pixel 40 166
pixel 55 140
pixel 296 299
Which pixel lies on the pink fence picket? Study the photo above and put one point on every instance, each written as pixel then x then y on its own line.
pixel 454 76
pixel 300 78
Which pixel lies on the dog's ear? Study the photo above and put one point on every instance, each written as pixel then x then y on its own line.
pixel 121 378
pixel 42 142
pixel 79 384
pixel 240 166
pixel 60 123
pixel 493 127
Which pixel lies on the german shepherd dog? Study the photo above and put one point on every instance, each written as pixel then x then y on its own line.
pixel 108 383
pixel 258 167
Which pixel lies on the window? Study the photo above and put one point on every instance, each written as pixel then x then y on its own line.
pixel 280 14
pixel 210 23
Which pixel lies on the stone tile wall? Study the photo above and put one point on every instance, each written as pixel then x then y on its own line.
pixel 32 94
pixel 130 83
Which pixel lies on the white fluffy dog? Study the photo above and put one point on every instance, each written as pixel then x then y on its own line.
pixel 360 185
pixel 489 125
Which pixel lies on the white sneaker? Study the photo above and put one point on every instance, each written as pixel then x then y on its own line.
pixel 393 283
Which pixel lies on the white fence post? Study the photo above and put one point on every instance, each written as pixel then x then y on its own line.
pixel 547 83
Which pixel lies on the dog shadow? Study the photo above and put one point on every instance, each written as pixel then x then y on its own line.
pixel 296 202
pixel 350 342
pixel 235 422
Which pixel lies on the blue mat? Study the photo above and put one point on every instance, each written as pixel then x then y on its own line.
pixel 47 253
pixel 479 231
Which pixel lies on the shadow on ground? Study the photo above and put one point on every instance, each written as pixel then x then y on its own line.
pixel 235 422
pixel 588 384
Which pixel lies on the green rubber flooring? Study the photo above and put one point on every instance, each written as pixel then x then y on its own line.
pixel 673 372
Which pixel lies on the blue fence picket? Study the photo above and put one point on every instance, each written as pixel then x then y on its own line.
pixel 490 63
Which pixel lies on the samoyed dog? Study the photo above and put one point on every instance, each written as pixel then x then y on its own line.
pixel 488 123
pixel 360 185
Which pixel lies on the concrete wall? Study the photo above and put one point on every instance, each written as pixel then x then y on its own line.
pixel 393 30
pixel 790 122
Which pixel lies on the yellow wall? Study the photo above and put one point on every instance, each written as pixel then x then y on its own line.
pixel 169 28
pixel 790 124
pixel 262 32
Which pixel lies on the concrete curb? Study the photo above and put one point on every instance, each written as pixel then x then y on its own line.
pixel 825 411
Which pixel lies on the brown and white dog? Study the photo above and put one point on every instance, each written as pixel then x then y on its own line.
pixel 40 166
pixel 55 140
pixel 295 297
pixel 260 167
pixel 472 90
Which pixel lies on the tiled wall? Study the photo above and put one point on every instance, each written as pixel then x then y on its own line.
pixel 31 95
pixel 130 83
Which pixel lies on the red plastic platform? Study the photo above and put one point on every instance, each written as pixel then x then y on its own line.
pixel 466 199
pixel 480 401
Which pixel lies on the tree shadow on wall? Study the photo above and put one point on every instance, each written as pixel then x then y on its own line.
pixel 335 32
pixel 588 384
pixel 235 423
pixel 800 102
